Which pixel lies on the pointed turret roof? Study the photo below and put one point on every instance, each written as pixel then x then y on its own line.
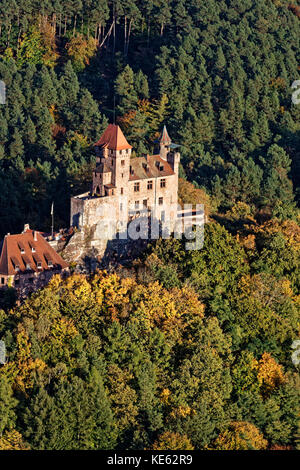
pixel 164 138
pixel 113 138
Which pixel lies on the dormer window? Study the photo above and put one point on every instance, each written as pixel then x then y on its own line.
pixel 39 265
pixel 50 264
pixel 28 266
pixel 17 267
pixel 22 249
pixel 161 168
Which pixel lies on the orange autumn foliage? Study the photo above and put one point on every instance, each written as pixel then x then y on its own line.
pixel 241 435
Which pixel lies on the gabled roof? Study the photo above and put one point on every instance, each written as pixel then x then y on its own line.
pixel 113 138
pixel 11 255
pixel 151 167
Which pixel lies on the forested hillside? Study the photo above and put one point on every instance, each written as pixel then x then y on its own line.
pixel 181 349
pixel 184 350
pixel 218 73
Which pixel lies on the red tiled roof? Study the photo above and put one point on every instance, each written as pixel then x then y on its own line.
pixel 152 167
pixel 11 255
pixel 113 138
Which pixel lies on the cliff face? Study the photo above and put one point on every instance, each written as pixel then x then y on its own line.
pixel 86 252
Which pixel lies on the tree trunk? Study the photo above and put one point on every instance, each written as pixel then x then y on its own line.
pixel 114 28
pixel 125 34
pixel 59 32
pixel 107 35
pixel 128 37
pixel 54 23
pixel 8 34
pixel 18 40
pixel 74 27
pixel 148 33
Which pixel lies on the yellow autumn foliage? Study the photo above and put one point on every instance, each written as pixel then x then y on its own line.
pixel 270 373
pixel 240 435
pixel 172 441
pixel 12 440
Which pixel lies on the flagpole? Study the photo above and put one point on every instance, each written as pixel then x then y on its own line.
pixel 52 214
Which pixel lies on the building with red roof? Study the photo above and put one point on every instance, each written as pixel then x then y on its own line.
pixel 27 261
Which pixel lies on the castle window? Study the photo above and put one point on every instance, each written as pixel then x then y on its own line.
pixel 126 150
pixel 122 190
pixel 163 216
pixel 160 201
pixel 121 207
pixel 122 174
pixel 122 162
pixel 163 183
pixel 136 204
pixel 136 187
pixel 112 192
pixel 2 280
pixel 150 185
pixel 145 202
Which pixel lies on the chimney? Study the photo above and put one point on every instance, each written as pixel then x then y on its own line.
pixel 26 227
pixel 35 235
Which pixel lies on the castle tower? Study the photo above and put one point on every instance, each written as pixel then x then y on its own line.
pixel 112 164
pixel 164 144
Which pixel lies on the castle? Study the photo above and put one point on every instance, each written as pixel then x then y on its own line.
pixel 125 187
pixel 124 190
